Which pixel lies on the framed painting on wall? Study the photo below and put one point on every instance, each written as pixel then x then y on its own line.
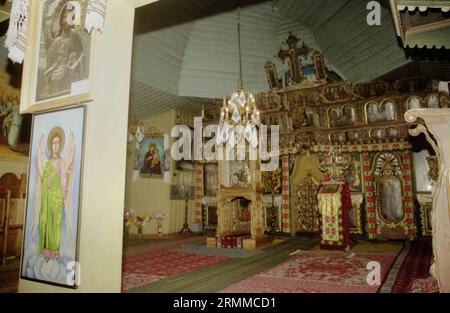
pixel 152 156
pixel 50 245
pixel 211 179
pixel 60 52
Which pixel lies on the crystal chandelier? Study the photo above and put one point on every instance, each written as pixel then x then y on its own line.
pixel 239 110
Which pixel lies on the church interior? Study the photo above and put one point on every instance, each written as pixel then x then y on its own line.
pixel 277 146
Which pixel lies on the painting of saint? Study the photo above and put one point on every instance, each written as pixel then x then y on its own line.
pixel 211 180
pixel 390 198
pixel 353 174
pixel 320 70
pixel 15 128
pixel 63 64
pixel 353 217
pixel 50 242
pixel 152 157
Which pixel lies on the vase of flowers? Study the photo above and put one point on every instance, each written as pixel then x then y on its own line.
pixel 159 217
pixel 140 222
pixel 129 216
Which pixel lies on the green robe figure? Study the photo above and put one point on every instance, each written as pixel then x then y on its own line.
pixel 52 203
pixel 53 196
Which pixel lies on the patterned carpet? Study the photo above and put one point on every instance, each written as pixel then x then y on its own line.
pixel 150 267
pixel 136 246
pixel 219 276
pixel 316 271
pixel 414 273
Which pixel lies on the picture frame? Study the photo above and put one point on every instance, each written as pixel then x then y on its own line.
pixel 51 253
pixel 211 179
pixel 210 220
pixel 60 56
pixel 272 77
pixel 354 214
pixel 320 67
pixel 353 175
pixel 268 217
pixel 152 156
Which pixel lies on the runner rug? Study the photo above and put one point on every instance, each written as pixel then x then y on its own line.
pixel 414 275
pixel 150 267
pixel 316 272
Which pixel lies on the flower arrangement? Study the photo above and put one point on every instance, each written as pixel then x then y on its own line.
pixel 159 217
pixel 129 217
pixel 140 222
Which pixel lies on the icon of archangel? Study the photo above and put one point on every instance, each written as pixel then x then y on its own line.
pixel 53 192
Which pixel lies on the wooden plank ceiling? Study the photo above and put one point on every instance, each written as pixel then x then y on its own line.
pixel 186 54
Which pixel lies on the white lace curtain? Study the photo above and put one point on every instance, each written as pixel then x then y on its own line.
pixel 16 37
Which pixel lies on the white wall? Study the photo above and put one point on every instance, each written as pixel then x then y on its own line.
pixel 100 241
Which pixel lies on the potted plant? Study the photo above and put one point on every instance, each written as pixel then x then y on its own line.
pixel 140 222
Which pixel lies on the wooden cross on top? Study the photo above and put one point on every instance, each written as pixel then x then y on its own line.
pixel 293 54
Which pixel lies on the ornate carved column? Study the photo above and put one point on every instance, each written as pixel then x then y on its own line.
pixel 199 187
pixel 436 128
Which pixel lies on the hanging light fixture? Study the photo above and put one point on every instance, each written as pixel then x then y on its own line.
pixel 239 110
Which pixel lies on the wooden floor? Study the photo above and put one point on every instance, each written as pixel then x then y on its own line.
pixel 9 276
pixel 9 272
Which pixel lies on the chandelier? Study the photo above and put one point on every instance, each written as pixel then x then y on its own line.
pixel 239 110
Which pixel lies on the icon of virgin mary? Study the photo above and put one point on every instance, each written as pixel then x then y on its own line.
pixel 53 196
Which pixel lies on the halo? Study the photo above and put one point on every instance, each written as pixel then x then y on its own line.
pixel 57 131
pixel 54 14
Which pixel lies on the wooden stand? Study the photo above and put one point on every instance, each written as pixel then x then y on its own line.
pixel 186 224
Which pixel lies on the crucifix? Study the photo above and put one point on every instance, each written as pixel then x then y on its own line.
pixel 293 54
pixel 335 164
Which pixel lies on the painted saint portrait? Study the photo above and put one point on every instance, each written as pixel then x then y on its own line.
pixel 320 69
pixel 211 179
pixel 50 242
pixel 353 173
pixel 152 157
pixel 64 54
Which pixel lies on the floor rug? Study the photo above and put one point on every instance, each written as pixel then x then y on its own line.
pixel 135 246
pixel 395 269
pixel 425 285
pixel 147 268
pixel 415 266
pixel 221 275
pixel 316 272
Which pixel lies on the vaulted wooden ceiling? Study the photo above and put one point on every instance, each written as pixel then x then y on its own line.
pixel 186 51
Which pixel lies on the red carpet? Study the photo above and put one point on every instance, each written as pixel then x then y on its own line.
pixel 415 268
pixel 314 272
pixel 147 268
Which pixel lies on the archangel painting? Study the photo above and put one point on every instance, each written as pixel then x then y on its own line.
pixel 64 53
pixel 50 242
